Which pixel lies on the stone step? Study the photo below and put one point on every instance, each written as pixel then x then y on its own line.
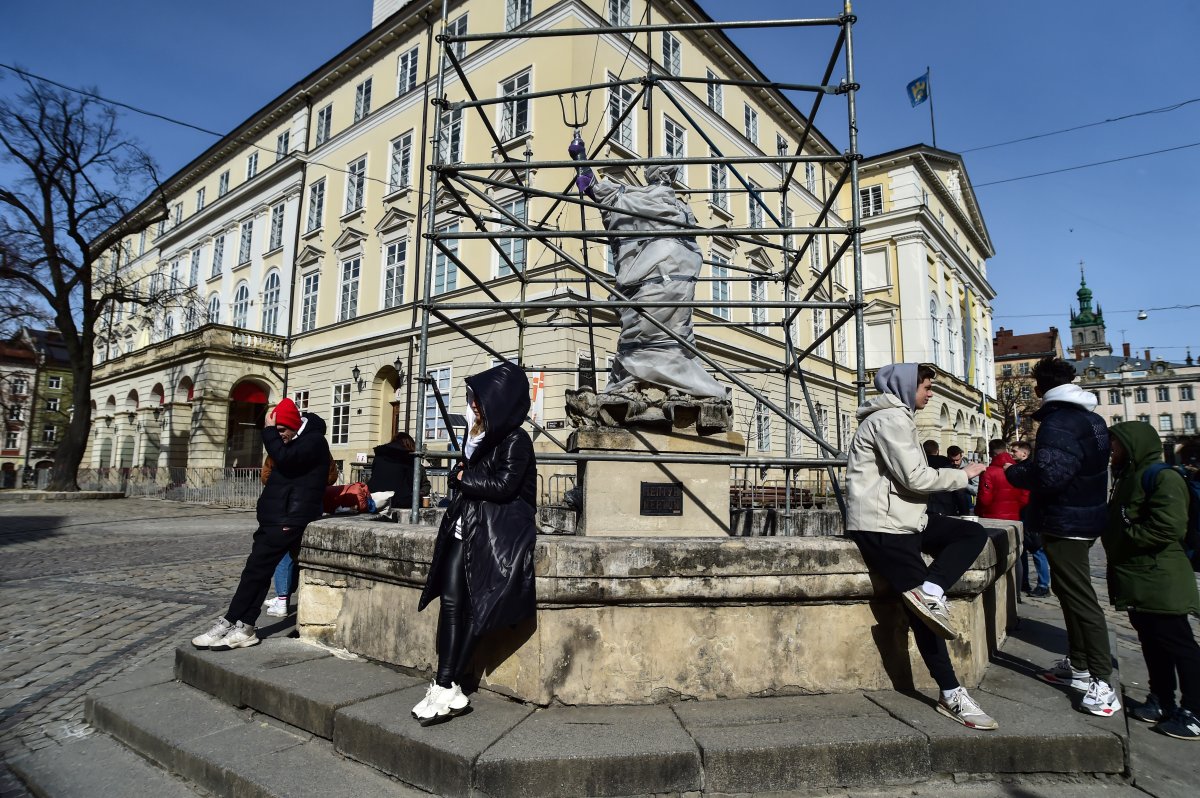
pixel 96 765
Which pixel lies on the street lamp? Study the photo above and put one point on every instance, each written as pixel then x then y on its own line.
pixel 356 373
pixel 398 364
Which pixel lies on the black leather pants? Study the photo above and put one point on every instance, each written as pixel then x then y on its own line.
pixel 455 633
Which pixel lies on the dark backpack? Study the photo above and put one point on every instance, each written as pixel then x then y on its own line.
pixel 1191 538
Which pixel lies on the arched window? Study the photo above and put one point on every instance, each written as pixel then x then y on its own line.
pixel 214 310
pixel 241 305
pixel 270 303
pixel 951 344
pixel 935 333
pixel 169 326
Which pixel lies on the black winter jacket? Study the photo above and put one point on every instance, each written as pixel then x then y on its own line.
pixel 392 469
pixel 497 500
pixel 948 502
pixel 1067 477
pixel 293 493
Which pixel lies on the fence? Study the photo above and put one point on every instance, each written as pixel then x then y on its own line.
pixel 232 487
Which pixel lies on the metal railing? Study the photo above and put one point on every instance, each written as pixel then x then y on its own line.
pixel 232 487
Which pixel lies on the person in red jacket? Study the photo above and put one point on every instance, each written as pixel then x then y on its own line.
pixel 997 497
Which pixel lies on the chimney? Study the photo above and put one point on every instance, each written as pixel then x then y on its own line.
pixel 1125 349
pixel 1147 357
pixel 1078 353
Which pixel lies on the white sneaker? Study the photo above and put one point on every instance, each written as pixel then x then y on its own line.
pixel 441 704
pixel 213 636
pixel 935 612
pixel 240 636
pixel 1101 699
pixel 1062 672
pixel 424 702
pixel 962 708
pixel 278 606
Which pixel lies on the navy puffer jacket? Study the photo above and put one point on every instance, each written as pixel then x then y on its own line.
pixel 1067 477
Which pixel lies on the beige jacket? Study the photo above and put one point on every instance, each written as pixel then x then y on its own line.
pixel 887 477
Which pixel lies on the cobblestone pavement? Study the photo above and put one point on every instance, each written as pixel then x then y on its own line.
pixel 94 589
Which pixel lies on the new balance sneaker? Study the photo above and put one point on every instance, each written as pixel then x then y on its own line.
pixel 1100 699
pixel 962 708
pixel 278 606
pixel 1149 711
pixel 1065 674
pixel 934 612
pixel 1182 725
pixel 240 636
pixel 441 704
pixel 213 636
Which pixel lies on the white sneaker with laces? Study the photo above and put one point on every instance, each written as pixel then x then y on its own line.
pixel 934 612
pixel 278 607
pixel 240 636
pixel 962 708
pixel 1064 673
pixel 213 636
pixel 1101 699
pixel 441 704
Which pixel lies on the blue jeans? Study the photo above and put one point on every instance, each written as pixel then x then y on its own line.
pixel 287 576
pixel 1041 566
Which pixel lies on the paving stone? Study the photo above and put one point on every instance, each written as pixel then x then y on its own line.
pixel 96 766
pixel 603 751
pixel 802 742
pixel 222 673
pixel 439 759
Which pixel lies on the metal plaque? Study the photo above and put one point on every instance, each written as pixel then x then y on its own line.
pixel 662 498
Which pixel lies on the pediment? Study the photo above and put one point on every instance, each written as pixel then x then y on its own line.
pixel 350 237
pixel 759 257
pixel 393 219
pixel 308 255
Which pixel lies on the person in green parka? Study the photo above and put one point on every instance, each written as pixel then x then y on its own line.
pixel 1150 576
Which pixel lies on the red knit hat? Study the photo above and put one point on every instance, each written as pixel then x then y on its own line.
pixel 287 414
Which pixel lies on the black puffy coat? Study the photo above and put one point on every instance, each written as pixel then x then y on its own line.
pixel 392 469
pixel 294 490
pixel 496 499
pixel 948 502
pixel 1067 477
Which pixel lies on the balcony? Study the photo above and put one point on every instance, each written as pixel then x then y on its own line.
pixel 206 340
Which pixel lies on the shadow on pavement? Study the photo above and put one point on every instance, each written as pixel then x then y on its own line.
pixel 16 529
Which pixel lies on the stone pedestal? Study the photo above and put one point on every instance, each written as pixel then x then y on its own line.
pixel 613 492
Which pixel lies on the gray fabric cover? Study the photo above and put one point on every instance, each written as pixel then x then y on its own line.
pixel 653 270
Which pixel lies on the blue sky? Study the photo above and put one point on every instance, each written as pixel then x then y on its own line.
pixel 1000 71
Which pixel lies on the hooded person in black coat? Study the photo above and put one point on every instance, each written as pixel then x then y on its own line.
pixel 482 567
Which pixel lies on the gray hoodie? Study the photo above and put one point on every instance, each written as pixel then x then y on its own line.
pixel 887 477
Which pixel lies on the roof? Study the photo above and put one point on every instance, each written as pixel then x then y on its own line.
pixel 11 351
pixel 1107 363
pixel 50 344
pixel 1028 345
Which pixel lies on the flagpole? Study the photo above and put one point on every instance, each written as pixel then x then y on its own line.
pixel 929 92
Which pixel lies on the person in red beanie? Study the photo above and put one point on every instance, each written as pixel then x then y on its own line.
pixel 290 500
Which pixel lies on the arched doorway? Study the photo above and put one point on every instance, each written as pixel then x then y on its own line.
pixel 387 383
pixel 106 449
pixel 247 412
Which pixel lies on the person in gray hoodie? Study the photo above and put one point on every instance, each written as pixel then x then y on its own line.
pixel 888 483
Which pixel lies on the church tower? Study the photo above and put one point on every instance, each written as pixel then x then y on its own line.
pixel 1087 326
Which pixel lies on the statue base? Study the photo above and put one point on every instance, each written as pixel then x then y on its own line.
pixel 640 499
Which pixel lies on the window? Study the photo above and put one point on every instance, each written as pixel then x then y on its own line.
pixel 194 268
pixel 406 73
pixel 951 343
pixel 716 93
pixel 841 351
pixel 795 437
pixel 251 165
pixel 1023 369
pixel 751 124
pixel 191 316
pixel 54 383
pixel 12 439
pixel 814 254
pixel 1114 396
pixel 308 301
pixel 218 256
pixel 513 248
pixel 362 100
pixel 517 13
pixel 177 214
pixel 223 184
pixel 348 293
pixel 324 124
pixel 1026 393
pixel 619 13
pixel 281 145
pixel 1141 395
pixel 1165 422
pixel 810 177
pixel 168 327
pixel 674 141
pixel 755 206
pixel 514 114
pixel 270 303
pixel 620 98
pixel 162 228
pixel 718 179
pixel 16 413
pixel 199 202
pixel 142 243
pixel 822 422
pixel 52 404
pixel 241 306
pixel 781 144
pixel 1006 370
pixel 870 201
pixel 276 240
pixel 1117 420
pixel 1162 393
pixel 435 428
pixel 20 385
pixel 456 28
pixel 301 400
pixel 758 313
pixel 394 261
pixel 49 432
pixel 762 427
pixel 450 143
pixel 339 430
pixel 935 335
pixel 445 271
pixel 316 205
pixel 671 54
pixel 820 320
pixel 1143 417
pixel 1185 393
pixel 356 184
pixel 720 286
pixel 400 163
pixel 244 244
pixel 214 310
pixel 1189 423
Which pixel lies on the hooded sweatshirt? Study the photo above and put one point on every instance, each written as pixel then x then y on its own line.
pixel 887 478
pixel 1143 539
pixel 997 497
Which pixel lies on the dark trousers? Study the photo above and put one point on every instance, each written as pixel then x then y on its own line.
pixel 1071 582
pixel 270 544
pixel 1170 649
pixel 456 622
pixel 954 544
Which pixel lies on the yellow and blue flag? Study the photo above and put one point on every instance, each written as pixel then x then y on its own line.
pixel 918 90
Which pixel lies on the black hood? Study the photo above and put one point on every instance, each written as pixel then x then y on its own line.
pixel 503 396
pixel 314 424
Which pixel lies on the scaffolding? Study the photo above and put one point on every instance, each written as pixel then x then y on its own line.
pixel 466 191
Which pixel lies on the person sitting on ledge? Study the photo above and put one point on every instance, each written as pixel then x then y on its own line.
pixel 888 483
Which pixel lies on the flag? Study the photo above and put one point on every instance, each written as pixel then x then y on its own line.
pixel 918 90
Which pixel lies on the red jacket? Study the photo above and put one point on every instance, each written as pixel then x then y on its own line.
pixel 997 497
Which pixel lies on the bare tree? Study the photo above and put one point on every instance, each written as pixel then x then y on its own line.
pixel 72 181
pixel 1015 397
